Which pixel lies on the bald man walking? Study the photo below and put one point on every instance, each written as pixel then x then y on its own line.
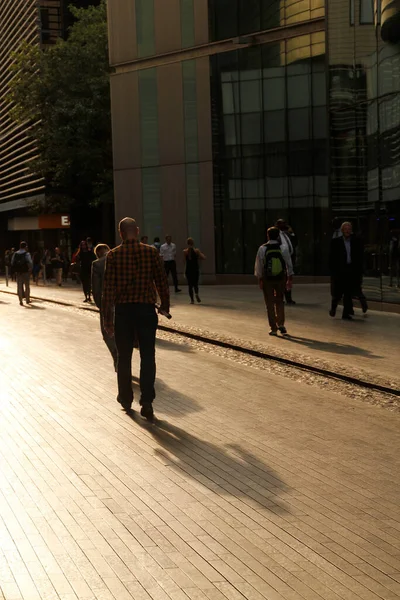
pixel 133 276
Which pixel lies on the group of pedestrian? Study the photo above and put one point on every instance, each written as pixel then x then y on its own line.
pixel 274 271
pixel 192 256
pixel 45 262
pixel 127 281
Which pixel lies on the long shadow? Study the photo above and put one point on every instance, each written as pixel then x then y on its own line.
pixel 334 347
pixel 35 307
pixel 206 304
pixel 174 346
pixel 169 401
pixel 225 470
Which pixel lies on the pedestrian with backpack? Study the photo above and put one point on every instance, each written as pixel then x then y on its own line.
pixel 22 267
pixel 271 272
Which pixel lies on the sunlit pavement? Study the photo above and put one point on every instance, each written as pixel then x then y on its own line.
pixel 250 485
pixel 366 347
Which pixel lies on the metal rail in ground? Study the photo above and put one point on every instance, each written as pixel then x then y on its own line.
pixel 246 350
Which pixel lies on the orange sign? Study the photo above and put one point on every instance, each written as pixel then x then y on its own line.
pixel 54 222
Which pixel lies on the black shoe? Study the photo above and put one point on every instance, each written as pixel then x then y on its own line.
pixel 147 411
pixel 332 312
pixel 21 303
pixel 127 406
pixel 86 300
pixel 288 298
pixel 177 291
pixel 347 317
pixel 364 306
pixel 283 330
pixel 198 298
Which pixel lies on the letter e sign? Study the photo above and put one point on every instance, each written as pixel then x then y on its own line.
pixel 65 222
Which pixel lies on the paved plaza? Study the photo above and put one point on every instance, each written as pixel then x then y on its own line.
pixel 366 348
pixel 250 485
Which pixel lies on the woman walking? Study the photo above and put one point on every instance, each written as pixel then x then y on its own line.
pixel 193 256
pixel 85 258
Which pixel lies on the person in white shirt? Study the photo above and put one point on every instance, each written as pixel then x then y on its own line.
pixel 168 254
pixel 288 253
pixel 22 266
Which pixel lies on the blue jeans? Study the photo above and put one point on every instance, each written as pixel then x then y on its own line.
pixel 136 321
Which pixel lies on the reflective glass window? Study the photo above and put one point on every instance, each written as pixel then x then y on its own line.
pixel 274 126
pixel 250 96
pixel 298 91
pixel 274 93
pixel 299 124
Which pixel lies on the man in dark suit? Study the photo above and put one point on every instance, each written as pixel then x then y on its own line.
pixel 98 269
pixel 346 268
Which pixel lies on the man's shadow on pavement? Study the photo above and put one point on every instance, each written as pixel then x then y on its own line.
pixel 170 401
pixel 225 470
pixel 334 347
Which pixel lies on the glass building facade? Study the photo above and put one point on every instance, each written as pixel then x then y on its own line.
pixel 241 112
pixel 364 115
pixel 270 149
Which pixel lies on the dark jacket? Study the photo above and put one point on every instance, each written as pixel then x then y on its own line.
pixel 85 260
pixel 98 270
pixel 338 257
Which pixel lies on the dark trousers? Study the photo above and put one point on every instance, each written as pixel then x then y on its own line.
pixel 342 286
pixel 193 283
pixel 170 267
pixel 23 286
pixel 110 342
pixel 359 294
pixel 86 283
pixel 136 321
pixel 273 294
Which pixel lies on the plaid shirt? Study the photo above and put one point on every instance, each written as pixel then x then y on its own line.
pixel 134 273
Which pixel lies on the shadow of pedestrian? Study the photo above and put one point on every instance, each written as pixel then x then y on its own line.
pixel 171 402
pixel 35 307
pixel 228 470
pixel 163 344
pixel 335 347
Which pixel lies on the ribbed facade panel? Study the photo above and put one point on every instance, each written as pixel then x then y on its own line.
pixel 19 21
